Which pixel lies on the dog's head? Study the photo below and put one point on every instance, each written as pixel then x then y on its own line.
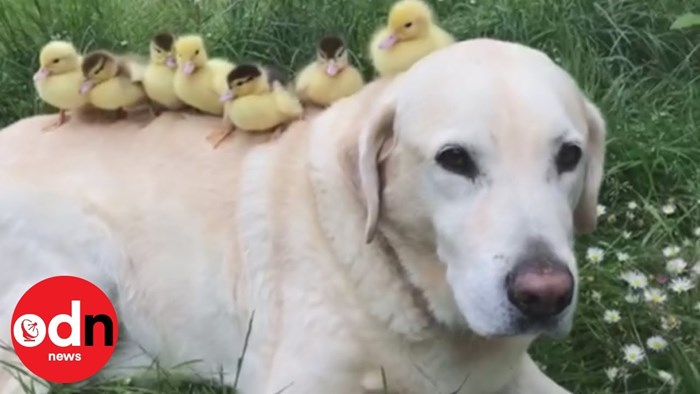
pixel 490 153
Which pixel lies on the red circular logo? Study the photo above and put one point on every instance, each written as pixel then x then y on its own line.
pixel 64 329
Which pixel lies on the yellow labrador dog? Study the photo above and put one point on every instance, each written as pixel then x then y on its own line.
pixel 423 226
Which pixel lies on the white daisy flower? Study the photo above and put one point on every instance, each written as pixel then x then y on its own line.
pixel 671 250
pixel 626 235
pixel 632 298
pixel 696 231
pixel 632 205
pixel 666 377
pixel 657 343
pixel 612 316
pixel 612 373
pixel 124 43
pixel 630 215
pixel 676 266
pixel 595 255
pixel 696 269
pixel 622 256
pixel 635 279
pixel 596 296
pixel 668 209
pixel 681 285
pixel 600 210
pixel 670 323
pixel 654 296
pixel 633 354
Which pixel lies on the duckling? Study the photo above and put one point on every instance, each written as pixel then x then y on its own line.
pixel 199 81
pixel 410 34
pixel 330 77
pixel 160 72
pixel 111 83
pixel 58 79
pixel 255 103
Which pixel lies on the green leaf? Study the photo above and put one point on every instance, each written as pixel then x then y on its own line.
pixel 685 21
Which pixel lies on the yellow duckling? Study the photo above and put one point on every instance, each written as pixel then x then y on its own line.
pixel 410 34
pixel 199 81
pixel 158 79
pixel 111 83
pixel 58 79
pixel 255 103
pixel 330 77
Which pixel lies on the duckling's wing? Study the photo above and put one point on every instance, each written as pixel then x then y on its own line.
pixel 275 74
pixel 134 58
pixel 137 71
pixel 129 67
pixel 303 78
pixel 286 102
pixel 220 64
pixel 442 37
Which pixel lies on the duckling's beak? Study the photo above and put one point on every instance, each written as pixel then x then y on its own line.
pixel 388 42
pixel 41 74
pixel 170 62
pixel 228 96
pixel 332 68
pixel 188 68
pixel 86 86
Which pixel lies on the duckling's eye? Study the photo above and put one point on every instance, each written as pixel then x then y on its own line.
pixel 407 25
pixel 56 60
pixel 457 160
pixel 239 83
pixel 196 52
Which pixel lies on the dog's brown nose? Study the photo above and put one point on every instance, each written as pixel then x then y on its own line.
pixel 540 289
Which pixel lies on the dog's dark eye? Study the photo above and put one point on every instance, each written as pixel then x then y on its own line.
pixel 456 159
pixel 568 157
pixel 407 25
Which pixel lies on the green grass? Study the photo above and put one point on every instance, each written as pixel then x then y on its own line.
pixel 644 76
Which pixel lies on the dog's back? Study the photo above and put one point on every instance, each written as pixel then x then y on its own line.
pixel 151 205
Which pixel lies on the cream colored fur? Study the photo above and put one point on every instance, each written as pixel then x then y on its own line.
pixel 325 234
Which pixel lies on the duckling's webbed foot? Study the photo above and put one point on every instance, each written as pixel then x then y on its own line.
pixel 63 118
pixel 218 136
pixel 155 110
pixel 277 132
pixel 121 113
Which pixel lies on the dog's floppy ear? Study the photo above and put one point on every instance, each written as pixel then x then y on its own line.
pixel 375 135
pixel 585 214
